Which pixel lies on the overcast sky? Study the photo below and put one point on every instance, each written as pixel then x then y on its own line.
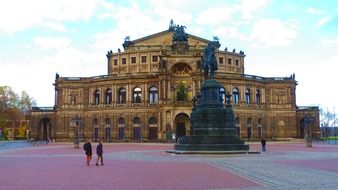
pixel 41 37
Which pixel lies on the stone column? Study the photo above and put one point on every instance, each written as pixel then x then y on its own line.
pixel 129 94
pixel 193 88
pixel 145 96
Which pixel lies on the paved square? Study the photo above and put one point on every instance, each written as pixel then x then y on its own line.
pixel 286 165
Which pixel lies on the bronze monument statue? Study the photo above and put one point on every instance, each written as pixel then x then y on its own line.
pixel 209 59
pixel 213 129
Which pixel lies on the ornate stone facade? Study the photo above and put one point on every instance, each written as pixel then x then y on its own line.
pixel 141 98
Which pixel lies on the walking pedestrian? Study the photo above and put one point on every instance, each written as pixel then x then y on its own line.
pixel 99 152
pixel 87 147
pixel 263 142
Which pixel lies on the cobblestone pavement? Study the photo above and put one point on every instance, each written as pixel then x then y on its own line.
pixel 286 165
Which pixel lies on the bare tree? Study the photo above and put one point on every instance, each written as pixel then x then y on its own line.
pixel 328 118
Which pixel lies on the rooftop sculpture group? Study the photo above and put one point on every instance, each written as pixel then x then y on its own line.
pixel 179 34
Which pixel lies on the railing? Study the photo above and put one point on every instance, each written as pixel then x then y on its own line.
pixel 111 76
pixel 308 107
pixel 135 75
pixel 43 109
pixel 267 78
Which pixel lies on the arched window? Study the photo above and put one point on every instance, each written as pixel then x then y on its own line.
pixel 258 96
pixel 237 121
pixel 121 121
pixel 97 97
pixel 259 121
pixel 95 123
pixel 235 95
pixel 137 95
pixel 108 96
pixel 136 120
pixel 248 122
pixel 153 120
pixel 222 94
pixel 107 122
pixel 121 96
pixel 153 95
pixel 247 96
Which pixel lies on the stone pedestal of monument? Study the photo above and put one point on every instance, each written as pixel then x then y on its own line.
pixel 212 124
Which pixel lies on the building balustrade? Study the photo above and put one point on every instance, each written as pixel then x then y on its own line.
pixel 43 109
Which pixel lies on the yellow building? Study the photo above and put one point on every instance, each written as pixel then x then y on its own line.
pixel 148 91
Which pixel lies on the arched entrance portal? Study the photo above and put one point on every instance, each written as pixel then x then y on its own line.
pixel 153 129
pixel 182 123
pixel 136 129
pixel 107 129
pixel 45 132
pixel 121 125
pixel 96 129
pixel 302 128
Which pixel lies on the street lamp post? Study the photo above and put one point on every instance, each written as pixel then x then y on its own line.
pixel 76 123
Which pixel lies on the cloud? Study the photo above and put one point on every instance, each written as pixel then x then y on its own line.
pixel 315 11
pixel 249 7
pixel 37 75
pixel 230 32
pixel 131 21
pixel 329 42
pixel 52 42
pixel 314 81
pixel 323 21
pixel 216 15
pixel 56 26
pixel 273 32
pixel 109 40
pixel 332 24
pixel 16 15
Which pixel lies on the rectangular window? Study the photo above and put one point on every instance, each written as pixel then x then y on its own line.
pixel 133 59
pixel 143 59
pixel 115 61
pixel 124 61
pixel 155 58
pixel 229 61
pixel 237 62
pixel 220 60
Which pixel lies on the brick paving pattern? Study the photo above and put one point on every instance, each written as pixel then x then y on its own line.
pixel 285 165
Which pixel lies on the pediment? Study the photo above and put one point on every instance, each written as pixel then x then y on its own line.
pixel 164 38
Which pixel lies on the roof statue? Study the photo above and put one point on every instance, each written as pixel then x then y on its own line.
pixel 209 59
pixel 172 25
pixel 179 34
pixel 127 42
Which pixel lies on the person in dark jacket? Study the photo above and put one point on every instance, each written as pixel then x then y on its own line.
pixel 99 152
pixel 263 142
pixel 87 147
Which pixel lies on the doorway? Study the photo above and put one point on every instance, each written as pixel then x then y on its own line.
pixel 45 129
pixel 182 122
